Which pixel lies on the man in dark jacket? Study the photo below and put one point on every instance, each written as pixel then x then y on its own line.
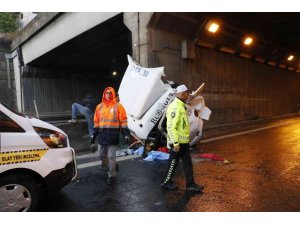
pixel 87 109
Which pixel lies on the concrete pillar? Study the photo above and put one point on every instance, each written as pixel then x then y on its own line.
pixel 17 72
pixel 137 23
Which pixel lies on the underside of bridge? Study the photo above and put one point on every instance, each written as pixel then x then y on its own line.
pixel 85 64
pixel 98 51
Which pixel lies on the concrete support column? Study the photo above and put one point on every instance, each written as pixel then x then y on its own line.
pixel 17 72
pixel 137 23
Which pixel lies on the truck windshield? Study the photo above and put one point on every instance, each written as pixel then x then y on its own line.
pixel 14 111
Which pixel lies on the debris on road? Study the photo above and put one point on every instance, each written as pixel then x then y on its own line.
pixel 210 156
pixel 157 155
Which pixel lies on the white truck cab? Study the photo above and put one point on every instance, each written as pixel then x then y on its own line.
pixel 35 158
pixel 146 98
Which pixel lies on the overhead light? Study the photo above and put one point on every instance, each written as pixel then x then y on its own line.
pixel 272 63
pixel 206 44
pixel 228 50
pixel 248 41
pixel 282 66
pixel 212 26
pixel 114 73
pixel 260 59
pixel 290 58
pixel 245 55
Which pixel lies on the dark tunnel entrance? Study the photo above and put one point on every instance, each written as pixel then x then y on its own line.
pixel 85 64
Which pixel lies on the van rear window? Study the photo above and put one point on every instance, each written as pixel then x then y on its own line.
pixel 8 125
pixel 14 111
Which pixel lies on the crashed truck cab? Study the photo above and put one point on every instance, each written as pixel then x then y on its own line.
pixel 35 158
pixel 146 97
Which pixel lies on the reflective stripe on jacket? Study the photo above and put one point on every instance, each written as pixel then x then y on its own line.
pixel 109 119
pixel 178 127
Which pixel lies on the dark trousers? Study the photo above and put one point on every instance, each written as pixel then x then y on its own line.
pixel 185 156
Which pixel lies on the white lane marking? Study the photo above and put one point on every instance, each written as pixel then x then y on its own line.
pixel 92 155
pixel 244 132
pixel 86 165
pixel 87 156
pixel 97 163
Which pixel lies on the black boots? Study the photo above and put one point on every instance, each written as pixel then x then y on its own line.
pixel 110 180
pixel 170 185
pixel 194 187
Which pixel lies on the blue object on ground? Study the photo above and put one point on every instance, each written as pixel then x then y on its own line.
pixel 139 151
pixel 156 155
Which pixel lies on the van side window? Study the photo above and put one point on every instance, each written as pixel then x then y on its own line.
pixel 8 125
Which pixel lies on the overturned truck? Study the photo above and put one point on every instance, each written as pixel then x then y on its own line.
pixel 146 97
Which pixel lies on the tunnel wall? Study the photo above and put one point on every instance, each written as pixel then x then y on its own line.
pixel 237 89
pixel 55 90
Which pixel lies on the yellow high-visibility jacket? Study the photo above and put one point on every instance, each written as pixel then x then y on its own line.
pixel 178 127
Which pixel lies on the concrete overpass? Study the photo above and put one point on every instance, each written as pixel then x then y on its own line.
pixel 58 57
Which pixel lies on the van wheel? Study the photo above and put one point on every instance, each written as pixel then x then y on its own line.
pixel 18 193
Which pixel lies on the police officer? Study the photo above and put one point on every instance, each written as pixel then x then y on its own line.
pixel 178 131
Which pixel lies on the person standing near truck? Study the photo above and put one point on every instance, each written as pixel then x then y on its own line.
pixel 109 120
pixel 178 131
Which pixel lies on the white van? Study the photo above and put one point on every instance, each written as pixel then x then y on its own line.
pixel 35 158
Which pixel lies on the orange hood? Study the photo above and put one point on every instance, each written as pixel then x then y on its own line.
pixel 109 102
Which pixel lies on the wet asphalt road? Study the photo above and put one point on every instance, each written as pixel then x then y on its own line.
pixel 136 190
pixel 263 175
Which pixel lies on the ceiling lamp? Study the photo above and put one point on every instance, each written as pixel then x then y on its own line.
pixel 114 73
pixel 290 58
pixel 212 27
pixel 248 41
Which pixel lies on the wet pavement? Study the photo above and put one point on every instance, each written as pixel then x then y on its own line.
pixel 263 175
pixel 137 189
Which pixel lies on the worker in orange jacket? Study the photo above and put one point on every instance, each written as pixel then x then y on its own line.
pixel 109 120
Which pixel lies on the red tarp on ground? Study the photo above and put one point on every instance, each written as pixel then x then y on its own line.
pixel 209 156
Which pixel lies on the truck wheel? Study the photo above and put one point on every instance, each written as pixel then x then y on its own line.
pixel 18 193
